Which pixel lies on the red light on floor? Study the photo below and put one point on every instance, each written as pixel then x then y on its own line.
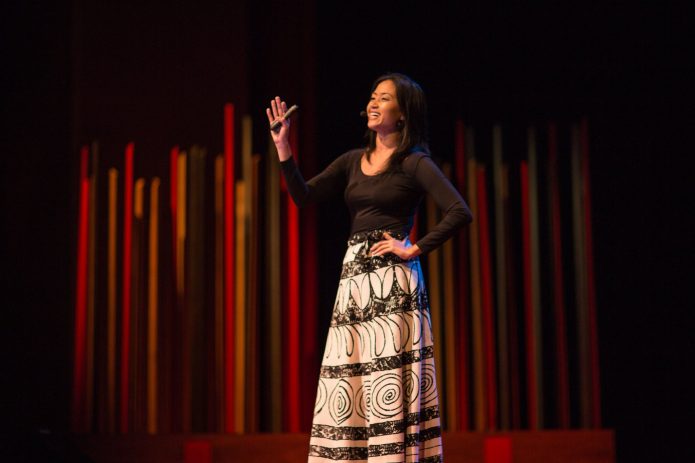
pixel 497 450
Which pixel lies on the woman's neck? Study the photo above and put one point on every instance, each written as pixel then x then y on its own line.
pixel 387 142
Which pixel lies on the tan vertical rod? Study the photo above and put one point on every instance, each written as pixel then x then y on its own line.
pixel 254 299
pixel 195 277
pixel 219 291
pixel 479 407
pixel 111 300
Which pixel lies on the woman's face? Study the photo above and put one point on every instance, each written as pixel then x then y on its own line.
pixel 383 112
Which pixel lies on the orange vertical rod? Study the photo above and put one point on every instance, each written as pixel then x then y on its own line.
pixel 125 316
pixel 590 278
pixel 152 309
pixel 293 402
pixel 229 425
pixel 173 164
pixel 462 283
pixel 111 302
pixel 240 307
pixel 79 421
pixel 487 302
pixel 562 374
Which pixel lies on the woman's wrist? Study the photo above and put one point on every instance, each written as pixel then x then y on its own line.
pixel 414 251
pixel 284 151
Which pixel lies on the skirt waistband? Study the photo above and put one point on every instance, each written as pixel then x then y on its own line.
pixel 374 235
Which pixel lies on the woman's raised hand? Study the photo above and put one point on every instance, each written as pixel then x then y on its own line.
pixel 277 110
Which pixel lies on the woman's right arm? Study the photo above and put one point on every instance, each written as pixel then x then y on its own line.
pixel 324 185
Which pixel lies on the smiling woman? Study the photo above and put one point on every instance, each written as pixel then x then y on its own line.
pixel 377 398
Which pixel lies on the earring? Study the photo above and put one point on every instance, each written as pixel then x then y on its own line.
pixel 400 124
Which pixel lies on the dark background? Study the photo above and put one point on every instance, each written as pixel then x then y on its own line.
pixel 74 71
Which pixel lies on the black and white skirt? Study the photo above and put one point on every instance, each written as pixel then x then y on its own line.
pixel 377 397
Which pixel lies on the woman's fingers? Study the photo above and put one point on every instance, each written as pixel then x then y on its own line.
pixel 279 104
pixel 274 108
pixel 270 115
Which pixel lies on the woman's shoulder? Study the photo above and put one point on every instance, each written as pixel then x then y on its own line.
pixel 412 159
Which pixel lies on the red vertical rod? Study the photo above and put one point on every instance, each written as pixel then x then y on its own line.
pixel 293 281
pixel 591 283
pixel 462 300
pixel 528 298
pixel 127 255
pixel 487 302
pixel 79 421
pixel 562 375
pixel 229 237
pixel 309 305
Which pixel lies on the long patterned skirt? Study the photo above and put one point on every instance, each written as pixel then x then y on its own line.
pixel 377 397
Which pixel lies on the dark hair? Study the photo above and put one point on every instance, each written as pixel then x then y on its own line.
pixel 411 101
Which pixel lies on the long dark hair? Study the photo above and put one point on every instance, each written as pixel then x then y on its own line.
pixel 411 101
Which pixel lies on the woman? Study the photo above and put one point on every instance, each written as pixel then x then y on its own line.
pixel 377 398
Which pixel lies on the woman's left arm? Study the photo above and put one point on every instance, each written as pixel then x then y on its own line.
pixel 456 212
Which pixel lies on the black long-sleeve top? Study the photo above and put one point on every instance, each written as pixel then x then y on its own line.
pixel 387 200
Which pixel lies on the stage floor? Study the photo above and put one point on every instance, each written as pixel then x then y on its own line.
pixel 596 446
